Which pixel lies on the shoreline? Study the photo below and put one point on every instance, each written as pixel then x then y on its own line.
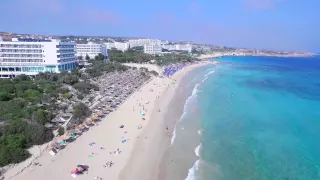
pixel 150 149
pixel 219 55
pixel 107 135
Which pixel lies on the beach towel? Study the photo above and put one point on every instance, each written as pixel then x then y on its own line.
pixel 92 144
pixel 123 140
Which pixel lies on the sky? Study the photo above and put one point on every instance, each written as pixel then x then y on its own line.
pixel 284 25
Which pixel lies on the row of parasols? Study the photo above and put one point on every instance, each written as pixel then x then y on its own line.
pixel 72 134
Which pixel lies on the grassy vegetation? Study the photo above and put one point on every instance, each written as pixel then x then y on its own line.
pixel 27 104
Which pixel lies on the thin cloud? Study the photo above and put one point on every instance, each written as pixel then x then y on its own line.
pixel 96 16
pixel 261 4
pixel 48 6
pixel 194 7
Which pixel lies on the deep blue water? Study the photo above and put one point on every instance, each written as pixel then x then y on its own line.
pixel 259 119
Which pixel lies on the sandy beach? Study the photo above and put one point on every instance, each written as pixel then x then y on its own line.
pixel 152 99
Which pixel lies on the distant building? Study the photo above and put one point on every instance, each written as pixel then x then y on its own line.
pixel 152 49
pixel 31 56
pixel 142 42
pixel 178 47
pixel 164 42
pixel 92 50
pixel 121 46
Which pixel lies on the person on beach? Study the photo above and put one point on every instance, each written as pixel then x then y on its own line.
pixel 167 127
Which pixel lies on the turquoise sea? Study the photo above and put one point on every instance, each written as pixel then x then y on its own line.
pixel 256 118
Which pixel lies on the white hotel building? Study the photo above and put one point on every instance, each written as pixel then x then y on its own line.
pixel 92 50
pixel 142 42
pixel 121 46
pixel 152 49
pixel 178 47
pixel 31 56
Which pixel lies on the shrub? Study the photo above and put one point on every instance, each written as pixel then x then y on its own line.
pixel 61 130
pixel 80 96
pixel 91 99
pixel 80 111
pixel 67 95
pixel 12 149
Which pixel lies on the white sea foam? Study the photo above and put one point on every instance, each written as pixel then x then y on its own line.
pixel 208 74
pixel 189 100
pixel 173 135
pixel 192 171
pixel 197 150
pixel 185 109
pixel 205 78
pixel 199 132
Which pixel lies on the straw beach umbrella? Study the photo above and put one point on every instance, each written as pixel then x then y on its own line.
pixel 94 118
pixel 99 113
pixel 80 127
pixel 65 137
pixel 88 121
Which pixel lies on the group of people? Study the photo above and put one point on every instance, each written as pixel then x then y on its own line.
pixel 108 164
pixel 170 70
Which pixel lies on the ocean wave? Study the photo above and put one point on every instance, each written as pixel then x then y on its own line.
pixel 192 171
pixel 208 74
pixel 185 110
pixel 173 135
pixel 197 150
pixel 189 101
pixel 205 78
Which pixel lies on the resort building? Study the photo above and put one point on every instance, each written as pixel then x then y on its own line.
pixel 121 46
pixel 31 56
pixel 92 50
pixel 142 42
pixel 152 49
pixel 178 47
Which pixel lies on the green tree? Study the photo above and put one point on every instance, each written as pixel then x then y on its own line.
pixel 99 57
pixel 87 57
pixel 4 96
pixel 80 111
pixel 61 131
pixel 12 149
pixel 41 116
pixel 67 95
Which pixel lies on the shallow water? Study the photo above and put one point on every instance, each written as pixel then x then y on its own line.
pixel 258 118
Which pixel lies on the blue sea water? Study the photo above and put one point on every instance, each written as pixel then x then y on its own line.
pixel 259 119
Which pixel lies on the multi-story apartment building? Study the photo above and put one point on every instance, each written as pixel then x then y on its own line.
pixel 152 49
pixel 92 50
pixel 142 42
pixel 31 56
